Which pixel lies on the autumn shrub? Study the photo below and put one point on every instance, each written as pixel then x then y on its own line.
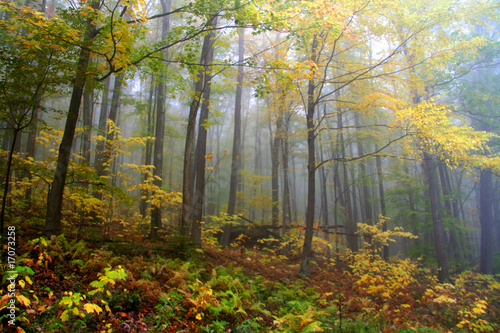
pixel 475 299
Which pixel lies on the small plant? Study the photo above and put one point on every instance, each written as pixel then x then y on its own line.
pixel 77 305
pixel 168 308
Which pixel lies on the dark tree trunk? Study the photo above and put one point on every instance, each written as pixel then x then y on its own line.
pixel 102 126
pixel 31 148
pixel 305 269
pixel 437 218
pixel 287 212
pixel 486 218
pixel 275 150
pixel 381 193
pixel 143 202
pixel 87 126
pixel 156 223
pixel 323 175
pixel 54 206
pixel 201 143
pixel 187 179
pixel 7 178
pixel 236 158
pixel 455 248
pixel 366 206
pixel 104 163
pixel 350 220
pixel 257 165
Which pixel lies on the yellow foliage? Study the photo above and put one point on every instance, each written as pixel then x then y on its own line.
pixel 92 308
pixel 377 235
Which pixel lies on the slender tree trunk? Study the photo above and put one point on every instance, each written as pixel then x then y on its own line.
pixel 439 233
pixel 486 218
pixel 287 212
pixel 455 248
pixel 31 148
pixel 294 191
pixel 324 194
pixel 143 202
pixel 365 188
pixel 54 206
pixel 187 179
pixel 201 144
pixel 381 193
pixel 156 223
pixel 236 158
pixel 257 164
pixel 275 149
pixel 7 179
pixel 87 126
pixel 305 269
pixel 103 121
pixel 350 222
pixel 104 163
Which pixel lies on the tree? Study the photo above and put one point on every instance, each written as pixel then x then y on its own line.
pixel 201 143
pixel 32 68
pixel 53 221
pixel 160 124
pixel 121 24
pixel 188 194
pixel 236 155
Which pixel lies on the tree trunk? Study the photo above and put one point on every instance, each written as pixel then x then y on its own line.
pixel 365 188
pixel 437 219
pixel 486 218
pixel 236 160
pixel 287 212
pixel 381 193
pixel 54 206
pixel 201 143
pixel 156 223
pixel 104 161
pixel 455 248
pixel 103 121
pixel 275 149
pixel 31 148
pixel 350 220
pixel 87 126
pixel 7 178
pixel 305 269
pixel 187 179
pixel 143 201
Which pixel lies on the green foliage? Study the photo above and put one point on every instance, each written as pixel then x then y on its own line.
pixel 226 291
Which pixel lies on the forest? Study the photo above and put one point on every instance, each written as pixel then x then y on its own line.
pixel 250 165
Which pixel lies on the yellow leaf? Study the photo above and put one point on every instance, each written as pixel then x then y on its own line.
pixel 22 283
pixel 198 316
pixel 23 300
pixel 76 312
pixel 27 278
pixel 478 310
pixel 64 316
pixel 91 308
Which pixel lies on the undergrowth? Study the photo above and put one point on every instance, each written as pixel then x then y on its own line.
pixel 67 285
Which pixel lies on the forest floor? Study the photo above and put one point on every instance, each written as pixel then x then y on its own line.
pixel 66 285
